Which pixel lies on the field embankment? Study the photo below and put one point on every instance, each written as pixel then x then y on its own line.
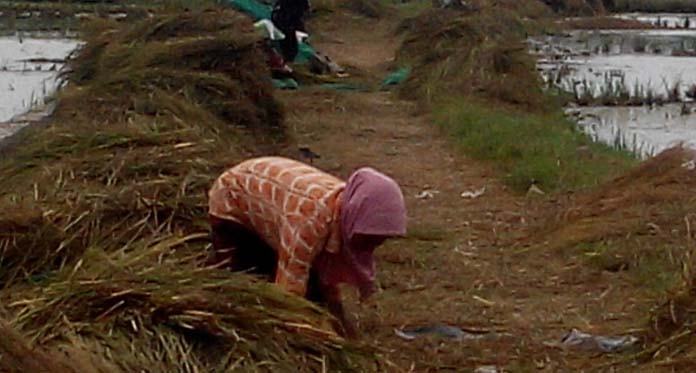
pixel 472 69
pixel 104 206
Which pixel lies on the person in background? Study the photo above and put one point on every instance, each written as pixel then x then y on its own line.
pixel 288 16
pixel 304 229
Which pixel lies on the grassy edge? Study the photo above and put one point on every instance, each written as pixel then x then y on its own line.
pixel 501 114
pixel 545 149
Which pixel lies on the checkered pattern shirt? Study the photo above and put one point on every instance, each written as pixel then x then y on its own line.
pixel 293 207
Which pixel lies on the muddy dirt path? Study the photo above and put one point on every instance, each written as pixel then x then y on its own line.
pixel 456 265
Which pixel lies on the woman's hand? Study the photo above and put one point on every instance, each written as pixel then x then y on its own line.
pixel 347 328
pixel 330 297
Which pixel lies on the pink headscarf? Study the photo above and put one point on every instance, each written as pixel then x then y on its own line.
pixel 372 204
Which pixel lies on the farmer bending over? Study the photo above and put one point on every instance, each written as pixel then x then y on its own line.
pixel 307 230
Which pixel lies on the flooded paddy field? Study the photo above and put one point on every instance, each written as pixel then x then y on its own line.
pixel 29 67
pixel 664 20
pixel 646 131
pixel 628 63
pixel 61 17
pixel 35 40
pixel 632 89
pixel 613 42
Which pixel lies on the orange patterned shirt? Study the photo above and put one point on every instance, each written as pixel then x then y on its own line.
pixel 294 207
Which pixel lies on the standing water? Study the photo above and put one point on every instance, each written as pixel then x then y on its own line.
pixel 665 20
pixel 29 69
pixel 632 89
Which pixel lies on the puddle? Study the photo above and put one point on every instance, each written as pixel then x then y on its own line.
pixel 28 70
pixel 635 88
pixel 668 20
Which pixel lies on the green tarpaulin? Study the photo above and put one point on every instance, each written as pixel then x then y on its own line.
pixel 259 11
pixel 395 78
pixel 287 83
pixel 343 87
pixel 255 9
pixel 304 53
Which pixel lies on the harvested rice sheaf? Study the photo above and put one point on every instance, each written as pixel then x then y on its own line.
pixel 650 200
pixel 103 212
pixel 478 52
pixel 155 303
pixel 208 59
pixel 152 113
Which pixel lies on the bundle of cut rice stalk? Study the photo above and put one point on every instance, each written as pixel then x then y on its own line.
pixel 155 308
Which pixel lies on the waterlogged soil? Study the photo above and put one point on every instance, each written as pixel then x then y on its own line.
pixel 613 42
pixel 639 75
pixel 628 67
pixel 29 67
pixel 641 62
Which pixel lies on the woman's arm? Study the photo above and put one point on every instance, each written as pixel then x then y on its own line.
pixel 329 296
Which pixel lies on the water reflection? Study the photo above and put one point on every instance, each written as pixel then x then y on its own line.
pixel 632 89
